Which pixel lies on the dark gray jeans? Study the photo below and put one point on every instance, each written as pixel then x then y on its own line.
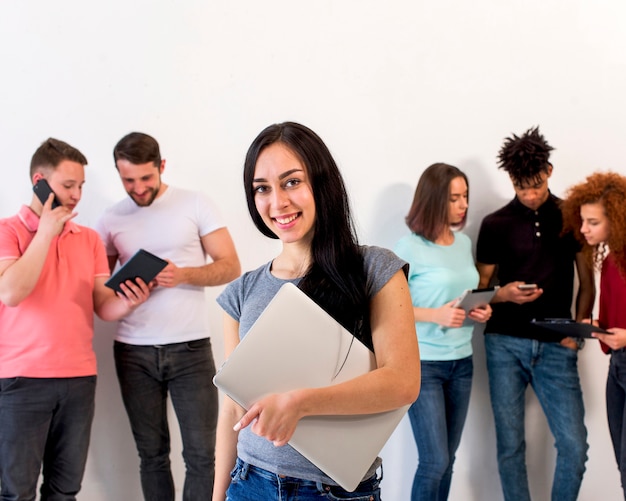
pixel 146 374
pixel 44 421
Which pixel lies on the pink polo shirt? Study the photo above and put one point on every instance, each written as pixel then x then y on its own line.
pixel 49 334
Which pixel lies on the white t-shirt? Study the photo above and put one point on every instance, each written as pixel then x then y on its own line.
pixel 171 228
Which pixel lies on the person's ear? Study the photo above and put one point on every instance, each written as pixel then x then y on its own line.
pixel 162 166
pixel 549 170
pixel 36 177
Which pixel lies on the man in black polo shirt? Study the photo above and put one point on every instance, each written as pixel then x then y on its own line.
pixel 522 242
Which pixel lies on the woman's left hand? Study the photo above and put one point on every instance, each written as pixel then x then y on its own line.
pixel 274 417
pixel 481 314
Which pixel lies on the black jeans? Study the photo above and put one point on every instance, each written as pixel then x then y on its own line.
pixel 44 421
pixel 146 374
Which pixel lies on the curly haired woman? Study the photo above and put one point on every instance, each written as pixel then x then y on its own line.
pixel 596 212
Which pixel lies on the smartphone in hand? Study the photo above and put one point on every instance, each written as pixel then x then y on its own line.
pixel 42 190
pixel 527 287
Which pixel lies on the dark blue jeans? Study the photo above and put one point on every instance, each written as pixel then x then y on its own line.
pixel 616 410
pixel 44 421
pixel 437 418
pixel 146 374
pixel 249 483
pixel 552 371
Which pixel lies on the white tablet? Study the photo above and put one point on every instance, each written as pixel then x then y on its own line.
pixel 475 298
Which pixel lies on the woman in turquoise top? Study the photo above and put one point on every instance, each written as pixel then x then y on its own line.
pixel 441 268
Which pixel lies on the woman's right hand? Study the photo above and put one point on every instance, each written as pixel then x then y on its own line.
pixel 449 316
pixel 273 417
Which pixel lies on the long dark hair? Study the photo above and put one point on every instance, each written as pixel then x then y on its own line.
pixel 336 277
pixel 429 214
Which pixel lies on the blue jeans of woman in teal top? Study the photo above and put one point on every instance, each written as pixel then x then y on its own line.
pixel 437 418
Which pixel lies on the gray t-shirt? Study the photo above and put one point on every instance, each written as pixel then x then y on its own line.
pixel 244 300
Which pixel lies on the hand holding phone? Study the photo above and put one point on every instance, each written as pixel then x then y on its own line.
pixel 519 292
pixel 42 190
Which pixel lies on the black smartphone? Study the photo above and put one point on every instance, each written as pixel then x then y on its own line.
pixel 42 190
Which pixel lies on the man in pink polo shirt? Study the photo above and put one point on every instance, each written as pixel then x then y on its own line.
pixel 52 275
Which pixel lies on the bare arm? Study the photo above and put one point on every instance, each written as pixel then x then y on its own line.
pixel 446 315
pixel 586 288
pixel 394 383
pixel 230 413
pixel 485 272
pixel 225 266
pixel 18 277
pixel 508 292
pixel 111 306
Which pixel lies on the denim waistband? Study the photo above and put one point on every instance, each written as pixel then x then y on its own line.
pixel 370 483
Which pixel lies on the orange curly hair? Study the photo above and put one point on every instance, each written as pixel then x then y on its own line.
pixel 609 189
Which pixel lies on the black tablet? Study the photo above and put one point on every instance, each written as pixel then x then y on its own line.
pixel 569 327
pixel 475 298
pixel 143 265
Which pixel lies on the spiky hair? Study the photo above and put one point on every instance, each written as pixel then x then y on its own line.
pixel 525 157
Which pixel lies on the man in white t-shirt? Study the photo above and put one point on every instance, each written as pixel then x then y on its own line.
pixel 163 346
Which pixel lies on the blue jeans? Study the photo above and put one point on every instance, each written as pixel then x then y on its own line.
pixel 437 418
pixel 616 410
pixel 44 421
pixel 551 369
pixel 249 483
pixel 146 374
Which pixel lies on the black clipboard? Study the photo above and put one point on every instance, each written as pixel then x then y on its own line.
pixel 569 327
pixel 475 298
pixel 143 264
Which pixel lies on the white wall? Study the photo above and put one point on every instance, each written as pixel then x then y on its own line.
pixel 390 86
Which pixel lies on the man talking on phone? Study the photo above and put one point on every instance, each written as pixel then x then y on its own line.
pixel 522 243
pixel 52 275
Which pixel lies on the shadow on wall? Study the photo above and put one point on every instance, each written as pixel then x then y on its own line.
pixel 390 209
pixel 113 459
pixel 113 463
pixel 485 197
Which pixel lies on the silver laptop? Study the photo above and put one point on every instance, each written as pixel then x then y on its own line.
pixel 295 344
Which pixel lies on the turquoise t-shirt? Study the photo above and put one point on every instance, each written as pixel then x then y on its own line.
pixel 437 275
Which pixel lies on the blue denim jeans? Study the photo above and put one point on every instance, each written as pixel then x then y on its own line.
pixel 616 409
pixel 44 421
pixel 249 483
pixel 437 418
pixel 552 371
pixel 146 374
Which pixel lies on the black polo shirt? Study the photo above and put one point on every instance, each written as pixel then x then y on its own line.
pixel 527 245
